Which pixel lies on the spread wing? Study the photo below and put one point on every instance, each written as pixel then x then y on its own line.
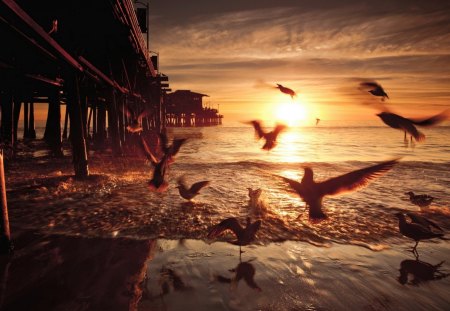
pixel 227 224
pixel 176 145
pixel 354 180
pixel 423 221
pixel 195 188
pixel 279 128
pixel 252 228
pixel 372 85
pixel 127 111
pixel 295 185
pixel 431 121
pixel 258 130
pixel 409 127
pixel 147 151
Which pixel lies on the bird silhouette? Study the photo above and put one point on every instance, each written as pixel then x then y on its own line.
pixel 170 150
pixel 415 231
pixel 158 181
pixel 244 270
pixel 422 200
pixel 313 192
pixel 375 89
pixel 191 192
pixel 270 137
pixel 421 271
pixel 407 125
pixel 286 90
pixel 317 121
pixel 415 218
pixel 244 236
pixel 135 124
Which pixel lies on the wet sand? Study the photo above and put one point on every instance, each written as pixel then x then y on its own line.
pixel 59 272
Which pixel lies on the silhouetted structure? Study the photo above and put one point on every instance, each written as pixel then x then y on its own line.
pixel 87 55
pixel 185 108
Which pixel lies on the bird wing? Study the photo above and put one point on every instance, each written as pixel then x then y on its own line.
pixel 258 130
pixel 408 126
pixel 354 180
pixel 195 188
pixel 432 120
pixel 163 141
pixel 279 128
pixel 252 228
pixel 369 84
pixel 176 145
pixel 127 111
pixel 423 221
pixel 295 185
pixel 143 113
pixel 147 151
pixel 227 224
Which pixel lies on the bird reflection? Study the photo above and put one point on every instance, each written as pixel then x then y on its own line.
pixel 244 270
pixel 313 192
pixel 408 125
pixel 244 236
pixel 270 137
pixel 286 90
pixel 189 193
pixel 421 272
pixel 422 200
pixel 375 89
pixel 415 231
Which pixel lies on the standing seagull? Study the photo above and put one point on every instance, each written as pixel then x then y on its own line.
pixel 415 231
pixel 313 192
pixel 407 125
pixel 375 89
pixel 286 90
pixel 422 200
pixel 194 190
pixel 244 235
pixel 270 137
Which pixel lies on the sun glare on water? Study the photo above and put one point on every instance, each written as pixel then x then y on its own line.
pixel 291 113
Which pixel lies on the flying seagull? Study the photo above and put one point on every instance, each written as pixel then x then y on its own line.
pixel 170 150
pixel 422 200
pixel 313 192
pixel 317 121
pixel 158 181
pixel 244 236
pixel 407 125
pixel 134 126
pixel 286 90
pixel 270 137
pixel 189 193
pixel 375 89
pixel 415 231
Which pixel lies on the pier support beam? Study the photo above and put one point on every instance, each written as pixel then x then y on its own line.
pixel 52 135
pixel 6 245
pixel 113 124
pixel 31 129
pixel 79 152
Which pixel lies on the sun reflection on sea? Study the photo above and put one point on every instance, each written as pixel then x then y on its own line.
pixel 289 149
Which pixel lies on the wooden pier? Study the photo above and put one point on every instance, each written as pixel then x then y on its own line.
pixel 184 108
pixel 89 56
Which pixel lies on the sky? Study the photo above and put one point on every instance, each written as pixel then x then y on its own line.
pixel 236 52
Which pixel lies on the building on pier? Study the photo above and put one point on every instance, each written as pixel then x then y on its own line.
pixel 185 108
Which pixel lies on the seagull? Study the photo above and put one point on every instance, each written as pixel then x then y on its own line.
pixel 415 231
pixel 313 192
pixel 134 126
pixel 422 200
pixel 270 137
pixel 417 219
pixel 317 121
pixel 194 190
pixel 170 150
pixel 376 89
pixel 158 182
pixel 244 235
pixel 244 270
pixel 286 90
pixel 407 125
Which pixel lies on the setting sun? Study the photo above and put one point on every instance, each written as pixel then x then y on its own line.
pixel 292 114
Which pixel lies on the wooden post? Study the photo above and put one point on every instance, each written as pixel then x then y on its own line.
pixel 52 135
pixel 88 127
pixel 7 118
pixel 113 124
pixel 16 112
pixel 94 121
pixel 25 120
pixel 6 245
pixel 79 152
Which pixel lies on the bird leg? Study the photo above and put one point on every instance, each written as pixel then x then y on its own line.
pixel 414 250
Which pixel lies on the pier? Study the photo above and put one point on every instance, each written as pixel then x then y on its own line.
pixel 89 57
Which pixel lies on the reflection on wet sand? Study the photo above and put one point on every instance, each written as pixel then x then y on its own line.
pixel 421 272
pixel 244 270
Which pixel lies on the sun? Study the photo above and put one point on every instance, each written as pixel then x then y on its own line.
pixel 291 114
